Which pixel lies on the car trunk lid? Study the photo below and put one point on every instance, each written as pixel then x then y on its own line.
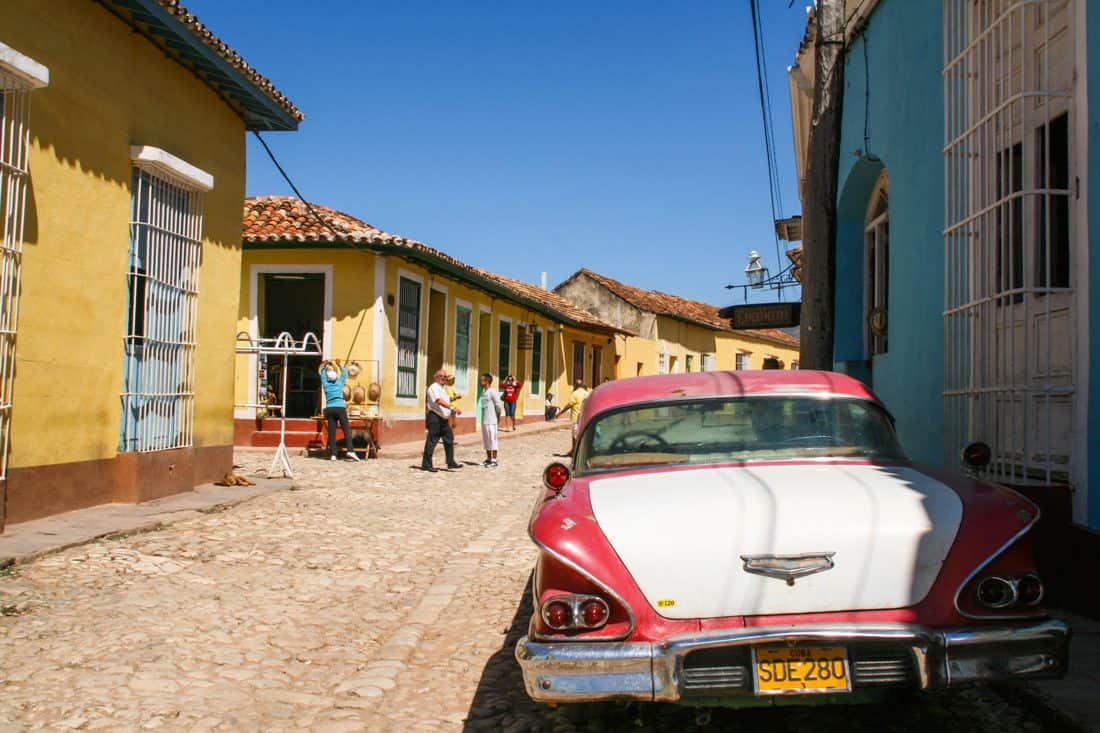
pixel 815 537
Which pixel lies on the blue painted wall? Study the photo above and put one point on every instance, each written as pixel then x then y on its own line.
pixel 895 65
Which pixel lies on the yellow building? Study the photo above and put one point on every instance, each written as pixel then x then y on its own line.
pixel 400 310
pixel 121 248
pixel 671 334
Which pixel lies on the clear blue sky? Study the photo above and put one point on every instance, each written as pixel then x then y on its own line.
pixel 526 137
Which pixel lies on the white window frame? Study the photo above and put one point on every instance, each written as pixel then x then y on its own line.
pixel 166 234
pixel 742 360
pixel 19 76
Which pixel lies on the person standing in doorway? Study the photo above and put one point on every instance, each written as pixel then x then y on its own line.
pixel 333 377
pixel 491 407
pixel 439 410
pixel 509 394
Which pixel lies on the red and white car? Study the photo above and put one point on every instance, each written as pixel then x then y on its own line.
pixel 727 536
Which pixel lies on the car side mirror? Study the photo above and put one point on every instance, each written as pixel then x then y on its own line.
pixel 977 455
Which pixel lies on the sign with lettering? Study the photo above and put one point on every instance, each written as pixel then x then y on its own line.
pixel 762 315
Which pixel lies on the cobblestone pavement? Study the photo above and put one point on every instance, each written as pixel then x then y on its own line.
pixel 375 597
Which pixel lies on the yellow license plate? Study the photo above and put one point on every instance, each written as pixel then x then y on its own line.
pixel 799 670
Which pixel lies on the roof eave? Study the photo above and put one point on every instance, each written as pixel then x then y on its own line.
pixel 426 258
pixel 258 110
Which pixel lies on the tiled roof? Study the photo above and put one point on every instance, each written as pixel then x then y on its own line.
pixel 147 16
pixel 673 306
pixel 286 221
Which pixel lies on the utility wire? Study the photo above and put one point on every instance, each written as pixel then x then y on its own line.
pixel 765 118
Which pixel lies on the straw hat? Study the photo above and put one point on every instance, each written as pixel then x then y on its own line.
pixel 347 391
pixel 354 369
pixel 374 391
pixel 358 395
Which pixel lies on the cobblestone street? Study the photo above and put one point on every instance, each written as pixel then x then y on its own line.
pixel 373 597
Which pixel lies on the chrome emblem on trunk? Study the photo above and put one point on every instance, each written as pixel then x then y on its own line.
pixel 788 567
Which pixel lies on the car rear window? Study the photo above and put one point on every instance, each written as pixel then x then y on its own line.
pixel 737 429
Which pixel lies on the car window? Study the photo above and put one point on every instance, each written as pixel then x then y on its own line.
pixel 736 429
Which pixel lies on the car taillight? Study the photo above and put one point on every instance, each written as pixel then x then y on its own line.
pixel 557 614
pixel 575 612
pixel 556 476
pixel 594 612
pixel 1009 591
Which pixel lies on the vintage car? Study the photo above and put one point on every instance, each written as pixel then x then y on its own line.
pixel 747 538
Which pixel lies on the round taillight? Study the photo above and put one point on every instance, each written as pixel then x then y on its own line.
pixel 994 592
pixel 556 476
pixel 1029 589
pixel 557 614
pixel 594 612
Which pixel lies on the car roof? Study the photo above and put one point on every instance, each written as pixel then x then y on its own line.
pixel 723 384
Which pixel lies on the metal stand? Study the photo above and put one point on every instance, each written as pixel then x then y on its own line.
pixel 283 345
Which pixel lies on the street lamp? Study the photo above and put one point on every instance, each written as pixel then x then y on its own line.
pixel 755 272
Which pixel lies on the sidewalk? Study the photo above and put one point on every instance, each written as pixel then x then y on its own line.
pixel 1076 695
pixel 28 540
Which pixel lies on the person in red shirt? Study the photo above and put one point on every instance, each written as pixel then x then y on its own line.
pixel 509 395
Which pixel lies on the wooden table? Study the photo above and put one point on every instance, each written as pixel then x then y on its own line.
pixel 368 427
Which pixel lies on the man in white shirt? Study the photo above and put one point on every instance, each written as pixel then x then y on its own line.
pixel 439 409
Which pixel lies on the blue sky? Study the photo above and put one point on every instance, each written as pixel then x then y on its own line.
pixel 527 137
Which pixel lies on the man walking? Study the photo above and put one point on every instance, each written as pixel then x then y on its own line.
pixel 576 402
pixel 439 410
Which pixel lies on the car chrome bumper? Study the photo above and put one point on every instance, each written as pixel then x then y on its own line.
pixel 933 658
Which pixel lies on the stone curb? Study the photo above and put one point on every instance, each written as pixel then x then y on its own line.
pixel 111 521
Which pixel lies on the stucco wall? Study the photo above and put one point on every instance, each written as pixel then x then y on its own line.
pixel 110 88
pixel 903 130
pixel 601 302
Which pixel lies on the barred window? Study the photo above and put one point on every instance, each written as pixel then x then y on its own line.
pixel 166 217
pixel 408 336
pixel 19 75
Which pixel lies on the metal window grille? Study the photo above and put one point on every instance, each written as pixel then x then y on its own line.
pixel 578 362
pixel 158 396
pixel 14 144
pixel 505 342
pixel 462 345
pixel 408 336
pixel 1010 309
pixel 741 361
pixel 708 363
pixel 536 361
pixel 689 362
pixel 876 293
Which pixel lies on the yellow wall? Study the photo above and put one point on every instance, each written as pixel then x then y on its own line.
pixel 681 340
pixel 354 275
pixel 729 345
pixel 109 88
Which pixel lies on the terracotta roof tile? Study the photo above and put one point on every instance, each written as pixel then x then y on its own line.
pixel 282 220
pixel 691 311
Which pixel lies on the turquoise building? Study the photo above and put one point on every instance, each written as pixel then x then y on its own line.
pixel 966 281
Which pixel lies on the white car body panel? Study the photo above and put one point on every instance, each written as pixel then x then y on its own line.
pixel 682 533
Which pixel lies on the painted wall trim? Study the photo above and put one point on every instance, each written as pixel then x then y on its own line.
pixel 378 335
pixel 162 163
pixel 23 68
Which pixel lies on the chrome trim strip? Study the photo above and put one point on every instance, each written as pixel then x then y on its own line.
pixel 997 553
pixel 788 567
pixel 596 581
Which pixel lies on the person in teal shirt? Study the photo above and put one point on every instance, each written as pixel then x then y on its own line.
pixel 333 376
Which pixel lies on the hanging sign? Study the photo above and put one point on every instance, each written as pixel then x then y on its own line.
pixel 762 315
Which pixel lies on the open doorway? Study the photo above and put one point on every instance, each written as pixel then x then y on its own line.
pixel 597 366
pixel 294 303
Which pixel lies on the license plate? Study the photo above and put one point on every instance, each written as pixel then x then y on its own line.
pixel 801 670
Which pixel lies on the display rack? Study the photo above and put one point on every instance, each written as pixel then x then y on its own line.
pixel 286 346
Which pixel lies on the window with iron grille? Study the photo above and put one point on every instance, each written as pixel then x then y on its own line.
pixel 741 361
pixel 162 303
pixel 408 336
pixel 1010 306
pixel 536 361
pixel 462 346
pixel 505 346
pixel 689 362
pixel 17 79
pixel 876 274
